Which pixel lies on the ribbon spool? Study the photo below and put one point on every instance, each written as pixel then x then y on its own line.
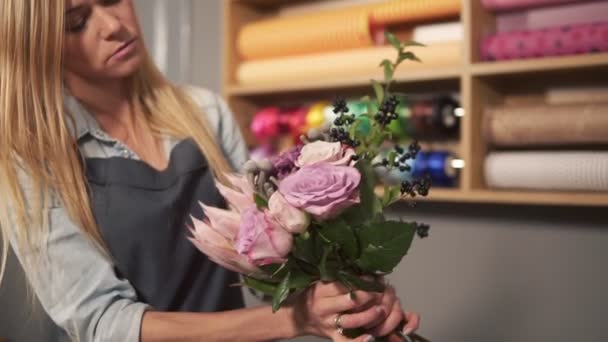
pixel 266 124
pixel 438 165
pixel 294 122
pixel 434 119
pixel 316 115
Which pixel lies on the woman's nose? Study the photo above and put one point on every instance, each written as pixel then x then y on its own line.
pixel 109 24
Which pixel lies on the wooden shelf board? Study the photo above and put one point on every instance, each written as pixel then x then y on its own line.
pixel 409 77
pixel 540 64
pixel 520 197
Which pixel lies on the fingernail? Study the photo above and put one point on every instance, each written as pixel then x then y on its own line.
pixel 407 331
pixel 369 338
pixel 379 309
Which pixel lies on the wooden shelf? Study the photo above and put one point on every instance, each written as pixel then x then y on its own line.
pixel 592 199
pixel 438 74
pixel 570 63
pixel 480 84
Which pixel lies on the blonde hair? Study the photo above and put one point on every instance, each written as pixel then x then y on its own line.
pixel 34 135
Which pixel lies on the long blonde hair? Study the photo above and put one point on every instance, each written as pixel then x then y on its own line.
pixel 34 137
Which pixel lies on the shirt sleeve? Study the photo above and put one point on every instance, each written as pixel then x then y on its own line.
pixel 223 122
pixel 77 285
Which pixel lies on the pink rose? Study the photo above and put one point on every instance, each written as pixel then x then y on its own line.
pixel 215 236
pixel 325 152
pixel 290 218
pixel 262 239
pixel 322 190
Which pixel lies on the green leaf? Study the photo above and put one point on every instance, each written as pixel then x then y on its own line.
pixel 342 237
pixel 392 39
pixel 281 293
pixel 388 72
pixel 378 90
pixel 265 287
pixel 300 279
pixel 323 264
pixel 407 55
pixel 306 247
pixel 369 205
pixel 351 280
pixel 392 155
pixel 260 201
pixel 390 194
pixel 411 43
pixel 383 245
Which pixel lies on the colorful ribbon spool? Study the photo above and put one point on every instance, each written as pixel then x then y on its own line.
pixel 316 115
pixel 266 124
pixel 438 165
pixel 435 119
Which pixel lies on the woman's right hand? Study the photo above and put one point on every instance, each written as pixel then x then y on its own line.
pixel 317 309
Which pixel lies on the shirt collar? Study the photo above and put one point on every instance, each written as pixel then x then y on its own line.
pixel 83 123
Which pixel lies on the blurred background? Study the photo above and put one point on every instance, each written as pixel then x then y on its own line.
pixel 510 105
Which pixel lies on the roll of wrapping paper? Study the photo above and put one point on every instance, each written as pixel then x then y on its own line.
pixel 335 30
pixel 354 63
pixel 294 121
pixel 576 95
pixel 402 11
pixel 434 119
pixel 545 125
pixel 308 34
pixel 536 170
pixel 539 18
pixel 319 6
pixel 555 41
pixel 504 5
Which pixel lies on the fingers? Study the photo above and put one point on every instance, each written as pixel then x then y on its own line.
pixel 413 322
pixel 372 315
pixel 330 289
pixel 363 338
pixel 344 302
pixel 392 321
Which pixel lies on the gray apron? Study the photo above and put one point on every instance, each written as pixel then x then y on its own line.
pixel 143 214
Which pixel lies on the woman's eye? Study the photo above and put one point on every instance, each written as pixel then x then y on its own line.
pixel 77 24
pixel 109 2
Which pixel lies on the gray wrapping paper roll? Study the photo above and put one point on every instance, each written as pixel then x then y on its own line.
pixel 545 170
pixel 538 125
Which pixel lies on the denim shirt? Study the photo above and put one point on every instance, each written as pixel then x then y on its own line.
pixel 79 288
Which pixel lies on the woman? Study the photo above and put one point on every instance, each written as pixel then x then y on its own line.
pixel 101 161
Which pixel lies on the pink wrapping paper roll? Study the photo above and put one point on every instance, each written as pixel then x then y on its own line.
pixel 504 5
pixel 539 18
pixel 555 41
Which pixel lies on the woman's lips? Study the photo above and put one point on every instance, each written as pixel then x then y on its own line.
pixel 124 51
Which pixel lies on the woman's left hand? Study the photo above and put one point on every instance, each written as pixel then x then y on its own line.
pixel 395 315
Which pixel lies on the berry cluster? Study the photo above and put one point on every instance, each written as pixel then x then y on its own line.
pixel 387 111
pixel 422 230
pixel 341 135
pixel 418 187
pixel 401 162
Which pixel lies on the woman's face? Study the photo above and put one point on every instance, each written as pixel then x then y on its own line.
pixel 102 39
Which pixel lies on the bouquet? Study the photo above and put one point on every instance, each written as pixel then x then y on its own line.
pixel 312 213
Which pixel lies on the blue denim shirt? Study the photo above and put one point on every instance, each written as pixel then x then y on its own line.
pixel 78 287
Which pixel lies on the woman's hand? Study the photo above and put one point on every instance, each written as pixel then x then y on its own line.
pixel 392 305
pixel 326 307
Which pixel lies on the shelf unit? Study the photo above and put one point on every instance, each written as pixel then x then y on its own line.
pixel 479 84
